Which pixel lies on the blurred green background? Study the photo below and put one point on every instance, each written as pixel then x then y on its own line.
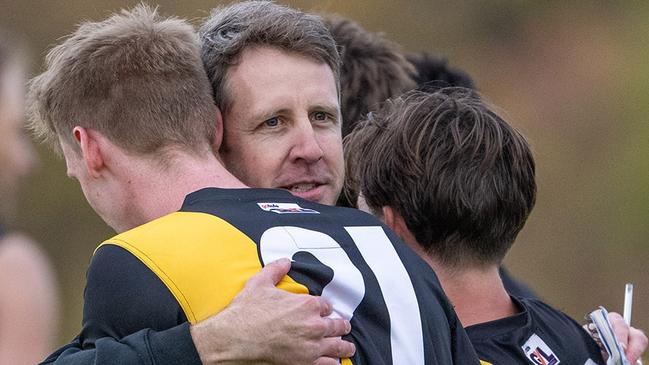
pixel 573 76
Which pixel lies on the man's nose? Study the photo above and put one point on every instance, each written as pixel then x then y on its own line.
pixel 306 146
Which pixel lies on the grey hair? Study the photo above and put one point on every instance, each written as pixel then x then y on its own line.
pixel 231 29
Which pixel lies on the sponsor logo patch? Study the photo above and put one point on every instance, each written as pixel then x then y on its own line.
pixel 286 208
pixel 538 352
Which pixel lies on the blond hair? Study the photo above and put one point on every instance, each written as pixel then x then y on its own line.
pixel 135 77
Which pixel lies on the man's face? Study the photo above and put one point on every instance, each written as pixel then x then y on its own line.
pixel 17 157
pixel 283 127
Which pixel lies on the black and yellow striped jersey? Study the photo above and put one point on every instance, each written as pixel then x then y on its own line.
pixel 538 334
pixel 189 264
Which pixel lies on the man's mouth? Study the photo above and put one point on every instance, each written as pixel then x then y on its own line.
pixel 299 188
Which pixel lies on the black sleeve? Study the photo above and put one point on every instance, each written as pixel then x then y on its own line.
pixel 172 346
pixel 129 317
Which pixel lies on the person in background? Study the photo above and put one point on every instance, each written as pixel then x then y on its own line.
pixel 433 73
pixel 28 296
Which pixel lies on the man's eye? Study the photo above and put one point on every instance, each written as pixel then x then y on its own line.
pixel 320 116
pixel 272 122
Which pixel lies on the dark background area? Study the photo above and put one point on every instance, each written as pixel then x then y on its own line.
pixel 572 76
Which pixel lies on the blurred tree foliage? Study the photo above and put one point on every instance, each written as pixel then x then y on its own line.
pixel 573 76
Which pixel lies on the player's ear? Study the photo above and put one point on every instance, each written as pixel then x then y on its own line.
pixel 218 131
pixel 394 220
pixel 391 218
pixel 91 151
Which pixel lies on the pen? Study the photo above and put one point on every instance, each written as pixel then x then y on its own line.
pixel 628 303
pixel 628 306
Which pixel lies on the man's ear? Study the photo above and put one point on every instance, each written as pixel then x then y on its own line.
pixel 395 222
pixel 91 151
pixel 389 217
pixel 218 132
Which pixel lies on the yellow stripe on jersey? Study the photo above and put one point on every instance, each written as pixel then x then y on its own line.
pixel 202 259
pixel 482 362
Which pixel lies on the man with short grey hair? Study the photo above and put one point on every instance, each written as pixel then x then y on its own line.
pixel 275 74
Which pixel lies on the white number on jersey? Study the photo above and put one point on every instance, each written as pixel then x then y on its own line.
pixel 347 288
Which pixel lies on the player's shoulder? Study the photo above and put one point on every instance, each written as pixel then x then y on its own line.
pixel 545 313
pixel 165 232
pixel 560 329
pixel 555 322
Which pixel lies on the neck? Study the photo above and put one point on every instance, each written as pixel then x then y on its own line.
pixel 156 191
pixel 478 294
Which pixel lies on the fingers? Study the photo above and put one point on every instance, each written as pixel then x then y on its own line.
pixel 325 307
pixel 337 327
pixel 327 361
pixel 335 347
pixel 271 274
pixel 620 328
pixel 633 340
pixel 637 345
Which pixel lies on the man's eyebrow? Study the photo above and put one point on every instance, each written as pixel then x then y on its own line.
pixel 261 115
pixel 330 108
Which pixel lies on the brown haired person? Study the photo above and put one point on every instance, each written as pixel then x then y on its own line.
pixel 28 300
pixel 373 69
pixel 456 182
pixel 189 233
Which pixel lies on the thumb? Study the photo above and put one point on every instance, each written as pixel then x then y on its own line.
pixel 271 274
